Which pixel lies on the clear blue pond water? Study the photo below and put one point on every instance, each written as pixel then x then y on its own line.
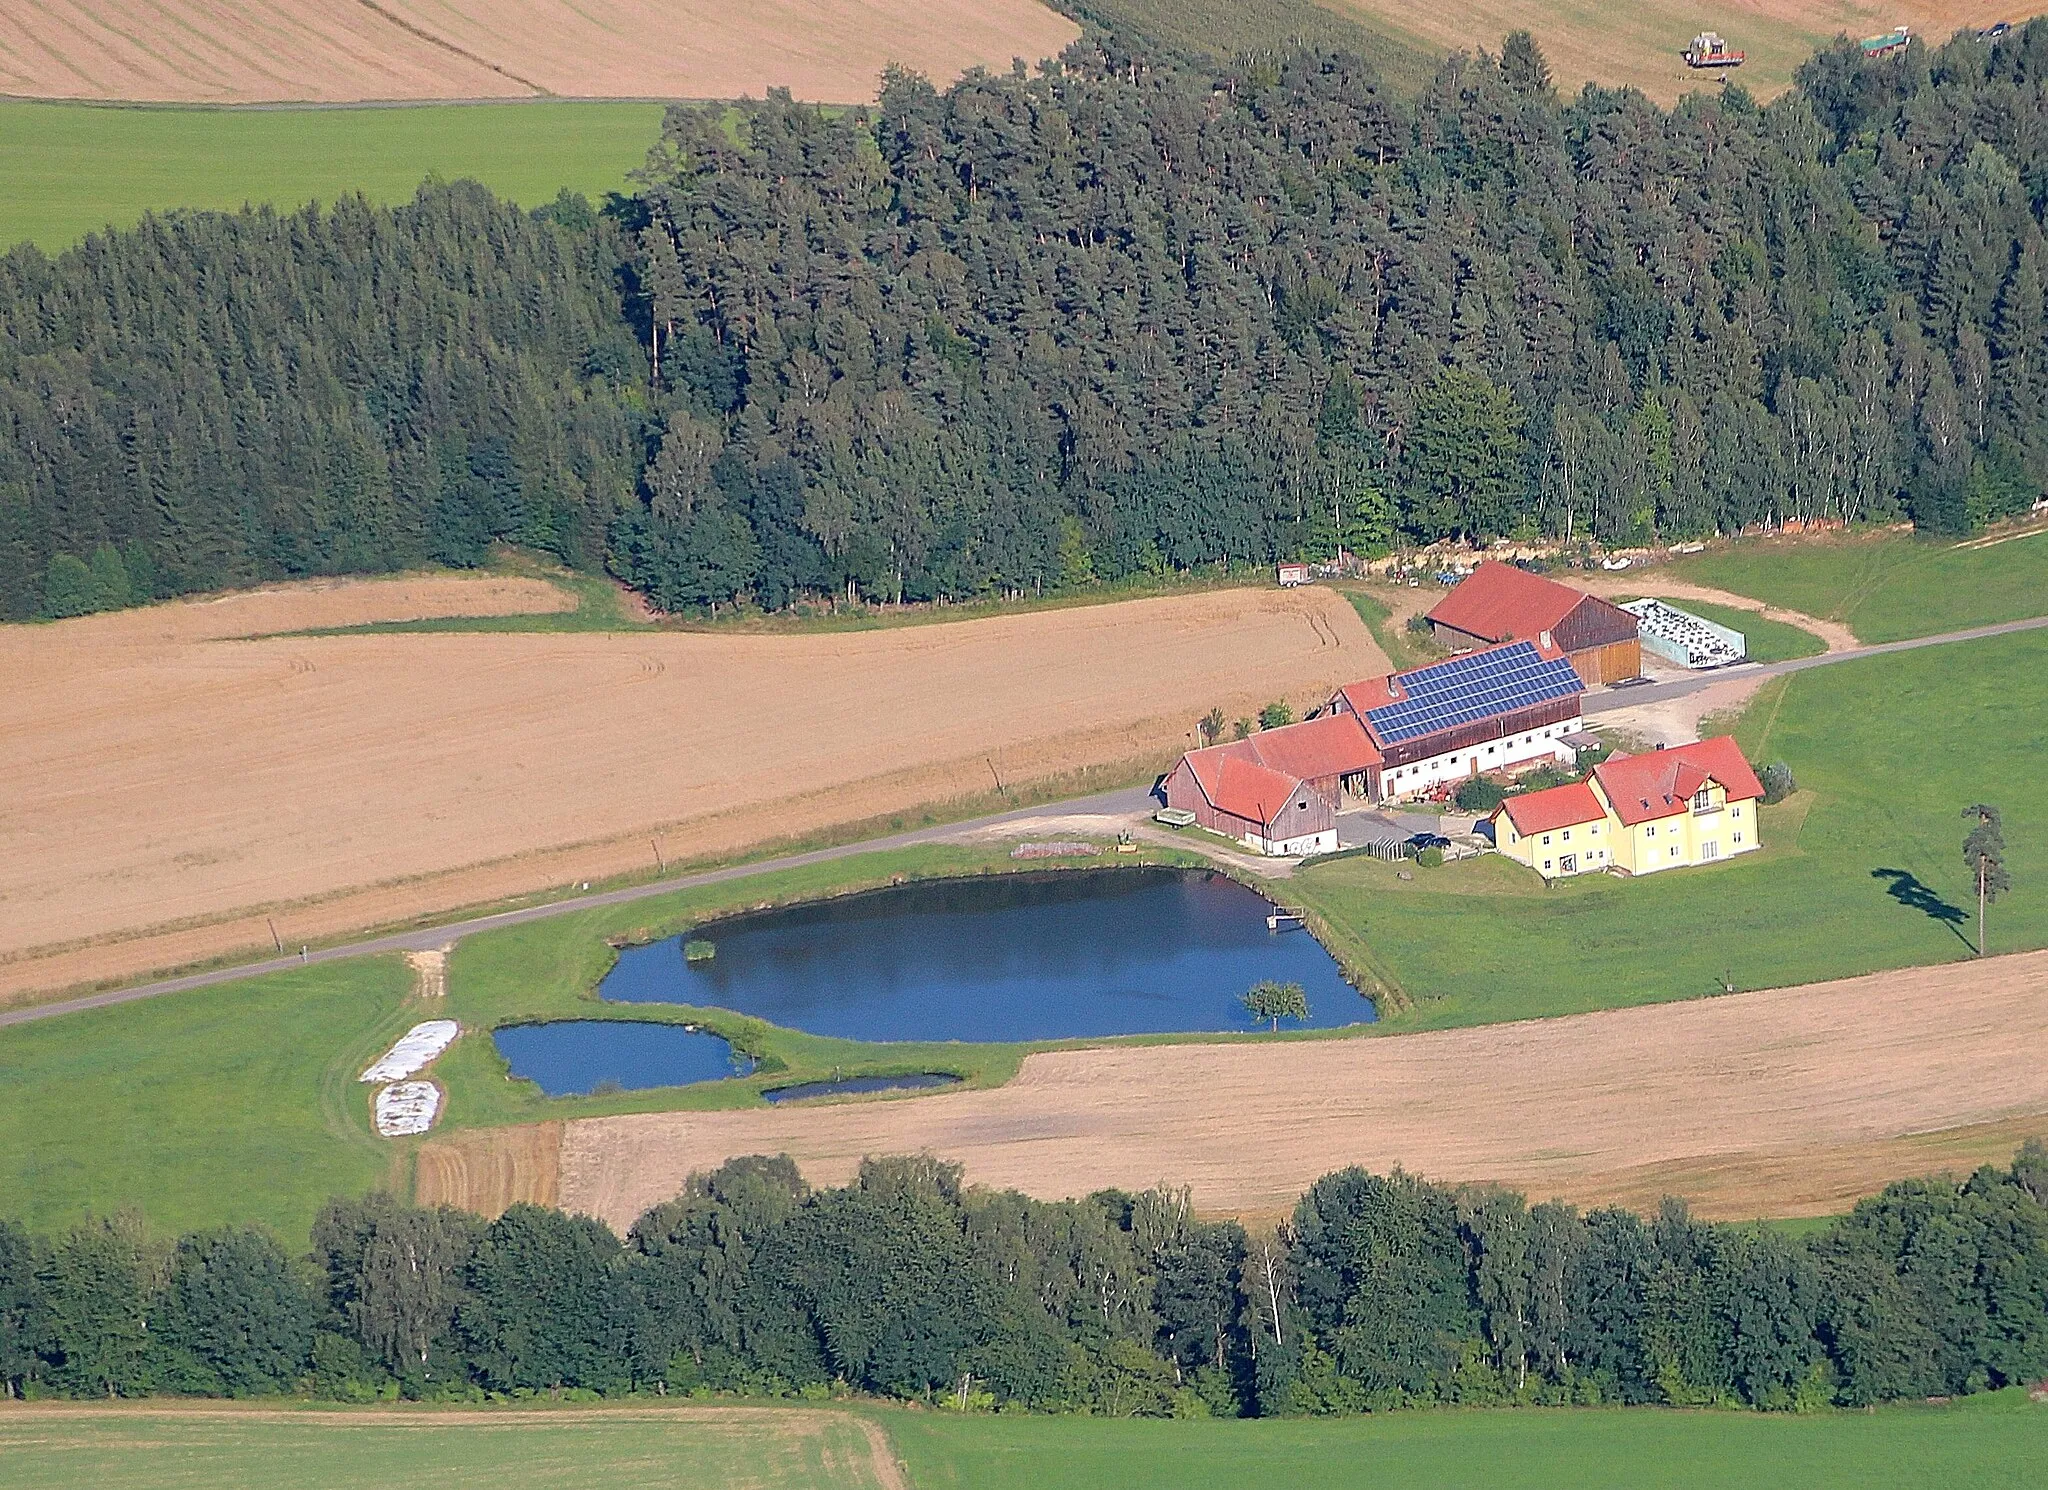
pixel 569 1057
pixel 1070 955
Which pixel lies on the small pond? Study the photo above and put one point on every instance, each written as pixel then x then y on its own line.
pixel 573 1057
pixel 1070 955
pixel 850 1086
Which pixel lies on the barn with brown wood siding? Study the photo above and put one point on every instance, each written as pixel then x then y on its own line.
pixel 1500 603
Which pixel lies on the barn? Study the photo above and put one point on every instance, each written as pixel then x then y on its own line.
pixel 1500 709
pixel 1500 603
pixel 1269 811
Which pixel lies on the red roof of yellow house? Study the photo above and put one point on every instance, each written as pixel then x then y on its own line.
pixel 1554 807
pixel 1333 744
pixel 1659 783
pixel 1239 785
pixel 1498 602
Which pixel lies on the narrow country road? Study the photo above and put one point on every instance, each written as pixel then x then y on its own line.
pixel 1131 799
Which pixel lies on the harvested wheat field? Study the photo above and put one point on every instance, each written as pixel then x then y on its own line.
pixel 1639 45
pixel 169 785
pixel 342 51
pixel 1782 1103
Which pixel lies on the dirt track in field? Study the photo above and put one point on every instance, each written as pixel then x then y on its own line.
pixel 168 786
pixel 343 51
pixel 1783 1103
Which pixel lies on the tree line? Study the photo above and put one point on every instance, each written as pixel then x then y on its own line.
pixel 1382 1291
pixel 1132 313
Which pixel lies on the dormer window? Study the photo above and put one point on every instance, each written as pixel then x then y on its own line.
pixel 1703 799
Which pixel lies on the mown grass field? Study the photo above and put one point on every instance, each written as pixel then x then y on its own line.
pixel 1861 871
pixel 1766 640
pixel 161 1447
pixel 69 169
pixel 1886 586
pixel 1988 1443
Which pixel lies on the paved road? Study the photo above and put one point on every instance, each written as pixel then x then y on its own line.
pixel 1132 799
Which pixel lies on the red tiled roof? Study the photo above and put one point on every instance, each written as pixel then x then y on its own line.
pixel 1239 785
pixel 1554 807
pixel 1498 603
pixel 1329 745
pixel 1659 783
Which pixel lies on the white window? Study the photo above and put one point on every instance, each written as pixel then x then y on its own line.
pixel 1735 812
pixel 1674 850
pixel 1710 850
pixel 1650 831
pixel 1738 838
pixel 1546 838
pixel 1702 799
pixel 1546 863
pixel 1567 835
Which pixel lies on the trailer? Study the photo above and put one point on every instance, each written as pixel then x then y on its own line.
pixel 1709 50
pixel 1890 44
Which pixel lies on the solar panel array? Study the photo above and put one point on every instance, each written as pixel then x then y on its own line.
pixel 1476 686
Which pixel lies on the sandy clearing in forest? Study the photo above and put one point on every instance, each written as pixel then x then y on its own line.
pixel 1786 1102
pixel 167 787
pixel 337 51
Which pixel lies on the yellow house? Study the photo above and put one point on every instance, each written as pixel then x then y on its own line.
pixel 1665 809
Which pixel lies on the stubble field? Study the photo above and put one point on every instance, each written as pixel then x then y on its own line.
pixel 181 773
pixel 1639 45
pixel 1781 1103
pixel 339 51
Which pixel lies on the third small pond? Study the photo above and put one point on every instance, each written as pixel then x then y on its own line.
pixel 1074 954
pixel 574 1057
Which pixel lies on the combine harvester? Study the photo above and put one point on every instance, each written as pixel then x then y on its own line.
pixel 1709 50
pixel 1890 44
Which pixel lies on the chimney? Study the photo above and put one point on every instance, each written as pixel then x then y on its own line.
pixel 1544 636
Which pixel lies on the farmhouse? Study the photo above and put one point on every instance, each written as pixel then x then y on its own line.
pixel 1665 809
pixel 1500 603
pixel 1494 710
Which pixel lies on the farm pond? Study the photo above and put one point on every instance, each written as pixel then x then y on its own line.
pixel 1073 954
pixel 574 1057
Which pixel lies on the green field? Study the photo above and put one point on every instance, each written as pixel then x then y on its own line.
pixel 227 1103
pixel 1766 641
pixel 1861 871
pixel 151 1448
pixel 1885 586
pixel 68 169
pixel 1988 1443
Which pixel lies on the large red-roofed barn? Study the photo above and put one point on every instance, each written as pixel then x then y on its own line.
pixel 1500 603
pixel 1271 812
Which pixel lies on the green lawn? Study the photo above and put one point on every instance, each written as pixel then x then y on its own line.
pixel 1766 641
pixel 1987 1443
pixel 67 169
pixel 230 1103
pixel 1885 586
pixel 1862 871
pixel 329 1449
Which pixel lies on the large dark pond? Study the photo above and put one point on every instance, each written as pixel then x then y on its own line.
pixel 1070 955
pixel 572 1057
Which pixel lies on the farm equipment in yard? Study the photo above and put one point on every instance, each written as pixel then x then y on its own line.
pixel 1709 50
pixel 1891 43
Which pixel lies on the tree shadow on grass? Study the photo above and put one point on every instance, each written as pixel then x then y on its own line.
pixel 1907 890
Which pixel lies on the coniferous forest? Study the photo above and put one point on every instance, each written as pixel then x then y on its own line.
pixel 1383 1291
pixel 1133 314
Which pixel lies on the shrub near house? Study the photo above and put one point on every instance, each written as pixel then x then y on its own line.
pixel 1665 809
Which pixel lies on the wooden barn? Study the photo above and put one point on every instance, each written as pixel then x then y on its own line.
pixel 1268 811
pixel 1500 603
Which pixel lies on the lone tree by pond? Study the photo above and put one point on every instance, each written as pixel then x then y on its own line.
pixel 1984 854
pixel 1276 1001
